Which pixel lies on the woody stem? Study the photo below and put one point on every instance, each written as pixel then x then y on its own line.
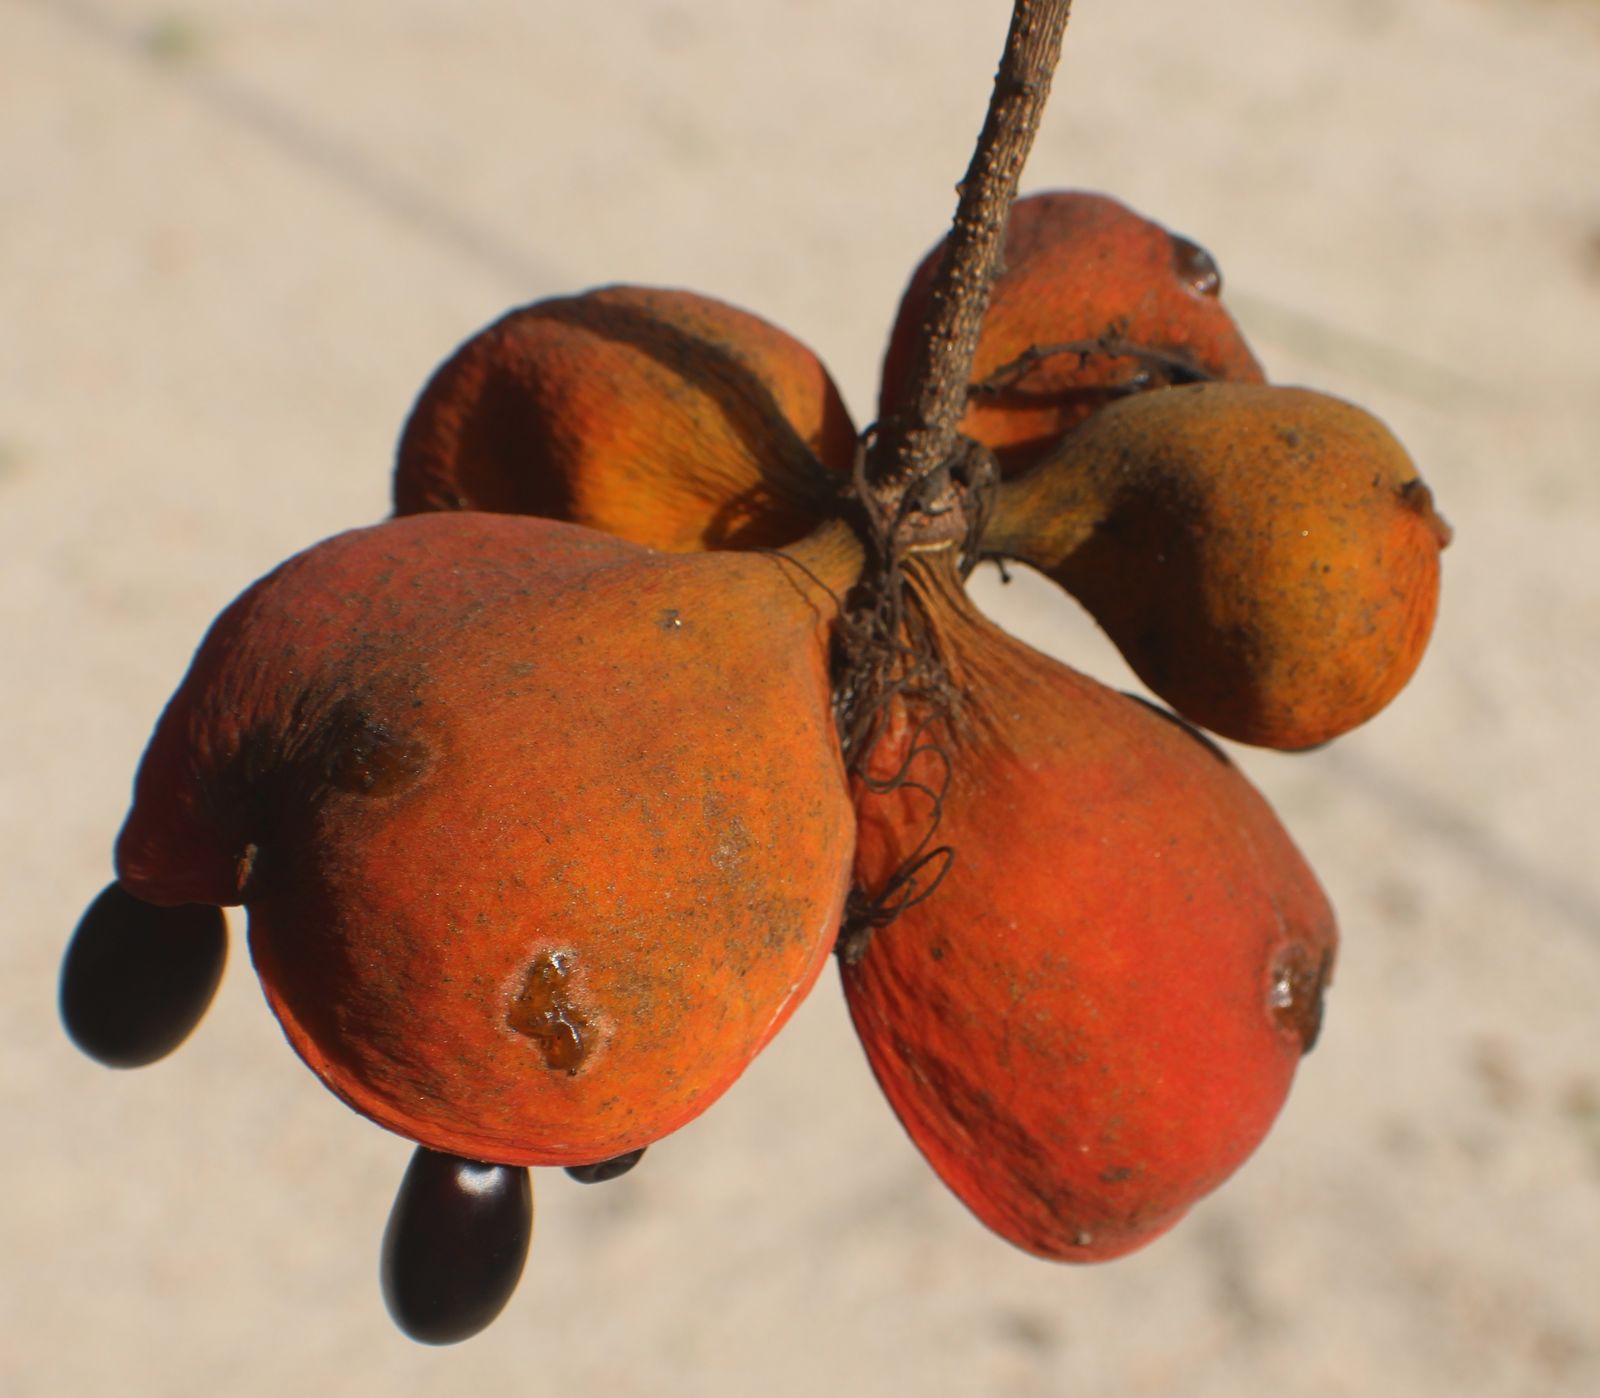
pixel 918 436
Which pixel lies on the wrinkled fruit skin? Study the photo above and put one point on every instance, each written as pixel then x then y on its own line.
pixel 1096 1016
pixel 1267 559
pixel 1078 266
pixel 659 416
pixel 542 836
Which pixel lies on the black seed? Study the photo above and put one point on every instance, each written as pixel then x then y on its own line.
pixel 603 1170
pixel 136 978
pixel 455 1245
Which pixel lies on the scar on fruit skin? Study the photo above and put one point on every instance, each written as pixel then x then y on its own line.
pixel 368 757
pixel 543 1012
pixel 1299 985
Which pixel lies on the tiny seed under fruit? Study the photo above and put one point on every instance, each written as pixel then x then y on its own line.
pixel 603 1170
pixel 1299 984
pixel 370 760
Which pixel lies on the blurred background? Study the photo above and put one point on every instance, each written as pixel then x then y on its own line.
pixel 235 238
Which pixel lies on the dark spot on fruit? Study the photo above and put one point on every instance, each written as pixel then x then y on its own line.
pixel 603 1170
pixel 369 758
pixel 671 620
pixel 1116 1174
pixel 1196 268
pixel 1299 983
pixel 544 1012
pixel 1416 496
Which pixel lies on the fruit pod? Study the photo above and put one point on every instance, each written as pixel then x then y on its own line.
pixel 1267 559
pixel 1096 1014
pixel 1094 302
pixel 542 835
pixel 660 416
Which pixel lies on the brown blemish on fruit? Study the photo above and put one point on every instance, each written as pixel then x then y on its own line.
pixel 1299 984
pixel 1416 496
pixel 544 1012
pixel 1196 268
pixel 368 758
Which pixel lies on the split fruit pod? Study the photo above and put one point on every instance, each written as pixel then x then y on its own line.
pixel 656 415
pixel 1096 1015
pixel 1094 302
pixel 1266 558
pixel 542 835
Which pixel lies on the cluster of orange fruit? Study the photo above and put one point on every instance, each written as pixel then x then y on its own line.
pixel 536 797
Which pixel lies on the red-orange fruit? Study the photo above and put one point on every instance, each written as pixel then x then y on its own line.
pixel 659 416
pixel 1080 269
pixel 542 835
pixel 1096 1015
pixel 1266 558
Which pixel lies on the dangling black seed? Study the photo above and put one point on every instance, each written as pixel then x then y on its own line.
pixel 455 1245
pixel 137 978
pixel 603 1170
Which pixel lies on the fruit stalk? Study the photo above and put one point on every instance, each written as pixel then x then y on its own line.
pixel 918 437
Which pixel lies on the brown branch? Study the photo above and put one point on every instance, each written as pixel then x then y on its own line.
pixel 919 435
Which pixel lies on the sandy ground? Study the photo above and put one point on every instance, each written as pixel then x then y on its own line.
pixel 235 238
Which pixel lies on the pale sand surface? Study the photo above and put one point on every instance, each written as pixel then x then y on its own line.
pixel 235 238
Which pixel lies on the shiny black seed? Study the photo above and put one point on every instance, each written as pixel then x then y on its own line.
pixel 455 1245
pixel 136 978
pixel 603 1170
